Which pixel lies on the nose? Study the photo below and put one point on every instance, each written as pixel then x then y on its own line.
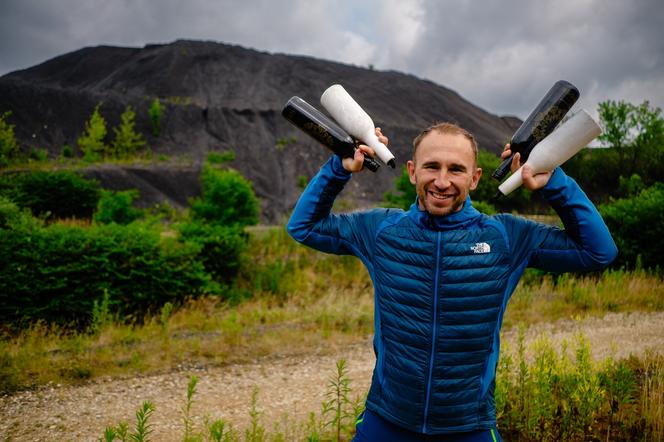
pixel 442 180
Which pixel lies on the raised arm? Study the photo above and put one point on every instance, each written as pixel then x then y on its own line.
pixel 584 244
pixel 312 223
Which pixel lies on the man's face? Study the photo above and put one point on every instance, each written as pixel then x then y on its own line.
pixel 443 172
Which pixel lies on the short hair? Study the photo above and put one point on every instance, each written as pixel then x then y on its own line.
pixel 446 128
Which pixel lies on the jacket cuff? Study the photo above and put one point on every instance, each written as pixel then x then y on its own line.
pixel 338 168
pixel 557 181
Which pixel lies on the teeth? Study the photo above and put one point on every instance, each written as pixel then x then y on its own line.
pixel 440 195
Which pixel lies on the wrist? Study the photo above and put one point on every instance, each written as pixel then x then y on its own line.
pixel 338 167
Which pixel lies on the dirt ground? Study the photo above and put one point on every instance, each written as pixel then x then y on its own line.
pixel 286 385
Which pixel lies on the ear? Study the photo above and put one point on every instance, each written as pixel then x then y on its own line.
pixel 411 171
pixel 476 178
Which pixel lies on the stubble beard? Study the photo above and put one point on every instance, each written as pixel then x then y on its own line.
pixel 434 210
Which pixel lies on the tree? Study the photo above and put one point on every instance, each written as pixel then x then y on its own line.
pixel 91 142
pixel 634 140
pixel 637 135
pixel 8 146
pixel 155 113
pixel 127 141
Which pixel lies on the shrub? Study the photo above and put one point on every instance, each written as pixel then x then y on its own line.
pixel 484 207
pixel 57 273
pixel 227 199
pixel 405 195
pixel 155 112
pixel 61 194
pixel 487 189
pixel 637 226
pixel 38 155
pixel 221 248
pixel 116 207
pixel 67 151
pixel 8 146
pixel 220 157
pixel 14 218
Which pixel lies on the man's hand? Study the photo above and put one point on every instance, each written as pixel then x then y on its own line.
pixel 355 164
pixel 530 181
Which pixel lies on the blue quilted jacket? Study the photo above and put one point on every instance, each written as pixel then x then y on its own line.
pixel 441 287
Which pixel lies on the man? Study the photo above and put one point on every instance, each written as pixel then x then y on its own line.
pixel 442 274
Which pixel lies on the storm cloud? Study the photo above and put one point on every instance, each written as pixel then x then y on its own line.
pixel 500 55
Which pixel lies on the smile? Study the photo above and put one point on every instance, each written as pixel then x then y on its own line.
pixel 441 196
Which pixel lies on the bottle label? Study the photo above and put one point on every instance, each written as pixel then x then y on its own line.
pixel 546 121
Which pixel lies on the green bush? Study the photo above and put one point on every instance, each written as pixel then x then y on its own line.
pixel 14 218
pixel 405 192
pixel 116 207
pixel 60 194
pixel 155 112
pixel 38 155
pixel 221 248
pixel 637 226
pixel 67 151
pixel 484 207
pixel 487 189
pixel 227 199
pixel 57 273
pixel 220 157
pixel 8 146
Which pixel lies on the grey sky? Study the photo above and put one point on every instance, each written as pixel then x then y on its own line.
pixel 500 55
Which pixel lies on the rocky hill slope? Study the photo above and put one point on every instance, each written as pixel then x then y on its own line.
pixel 220 97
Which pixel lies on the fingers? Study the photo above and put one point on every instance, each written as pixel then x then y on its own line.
pixel 382 138
pixel 506 152
pixel 355 163
pixel 516 162
pixel 527 177
pixel 366 150
pixel 534 181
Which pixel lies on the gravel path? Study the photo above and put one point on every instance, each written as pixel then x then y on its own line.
pixel 286 385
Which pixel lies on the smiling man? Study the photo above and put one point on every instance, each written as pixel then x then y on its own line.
pixel 443 273
pixel 444 168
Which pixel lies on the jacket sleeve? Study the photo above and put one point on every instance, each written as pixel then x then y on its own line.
pixel 312 223
pixel 584 244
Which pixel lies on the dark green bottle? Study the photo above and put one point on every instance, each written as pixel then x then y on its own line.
pixel 540 123
pixel 322 129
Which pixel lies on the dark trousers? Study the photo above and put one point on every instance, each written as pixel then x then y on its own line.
pixel 373 428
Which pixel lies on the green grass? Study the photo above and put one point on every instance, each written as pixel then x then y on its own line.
pixel 79 163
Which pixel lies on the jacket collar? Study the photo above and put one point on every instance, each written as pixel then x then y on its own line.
pixel 464 217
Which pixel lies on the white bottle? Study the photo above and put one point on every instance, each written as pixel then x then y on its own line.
pixel 354 120
pixel 561 145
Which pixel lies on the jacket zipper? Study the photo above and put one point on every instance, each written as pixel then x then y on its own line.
pixel 434 332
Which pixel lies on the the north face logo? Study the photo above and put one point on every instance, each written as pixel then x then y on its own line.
pixel 481 247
